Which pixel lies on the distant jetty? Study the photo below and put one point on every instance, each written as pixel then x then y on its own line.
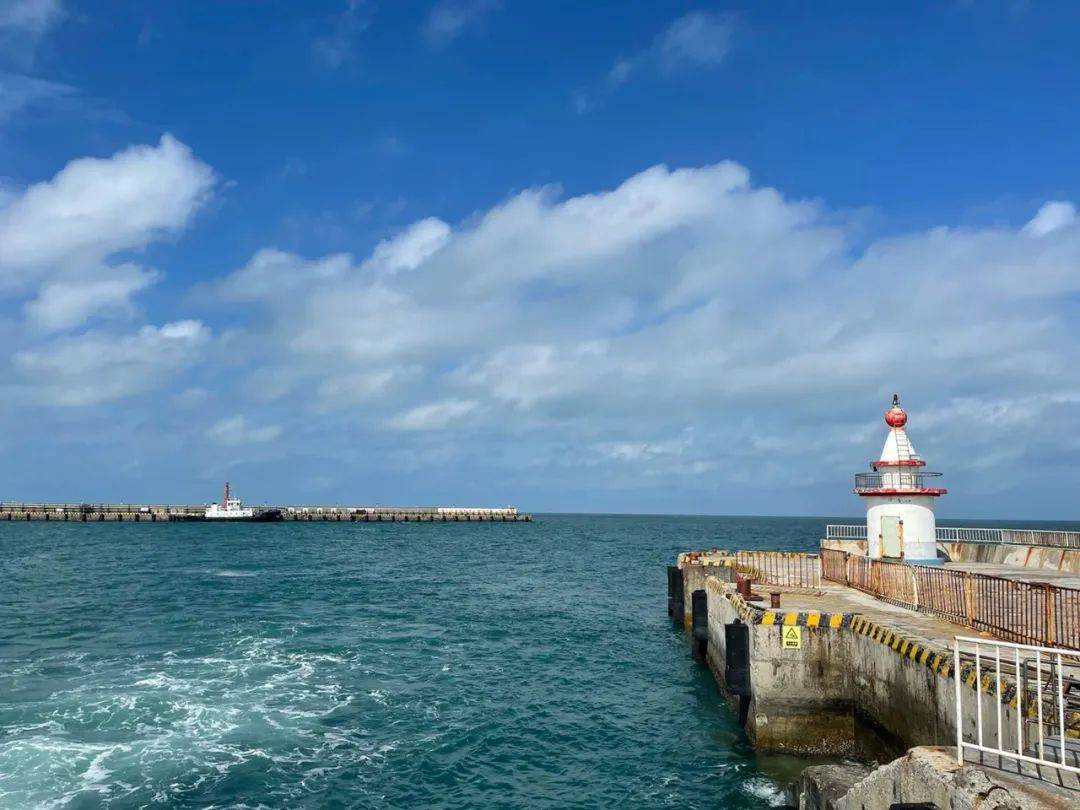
pixel 124 512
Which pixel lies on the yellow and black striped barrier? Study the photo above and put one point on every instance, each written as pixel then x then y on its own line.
pixel 751 614
pixel 937 660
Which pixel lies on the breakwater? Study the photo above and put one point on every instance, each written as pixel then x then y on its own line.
pixel 151 513
pixel 810 665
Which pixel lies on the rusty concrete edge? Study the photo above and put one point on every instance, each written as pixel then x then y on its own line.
pixel 752 614
pixel 937 660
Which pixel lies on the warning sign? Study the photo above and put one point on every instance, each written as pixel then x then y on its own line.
pixel 792 638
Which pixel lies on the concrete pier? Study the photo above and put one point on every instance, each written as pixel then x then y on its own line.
pixel 831 660
pixel 73 512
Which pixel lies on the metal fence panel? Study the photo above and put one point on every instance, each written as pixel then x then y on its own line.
pixel 793 569
pixel 1024 612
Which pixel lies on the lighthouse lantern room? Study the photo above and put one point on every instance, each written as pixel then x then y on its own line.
pixel 900 497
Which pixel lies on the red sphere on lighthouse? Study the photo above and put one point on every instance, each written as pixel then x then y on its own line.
pixel 895 417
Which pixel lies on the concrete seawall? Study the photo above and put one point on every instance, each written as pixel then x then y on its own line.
pixel 802 701
pixel 876 663
pixel 182 512
pixel 1016 555
pixel 860 679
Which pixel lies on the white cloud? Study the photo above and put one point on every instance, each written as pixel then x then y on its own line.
pixel 337 47
pixel 1051 216
pixel 410 248
pixel 97 367
pixel 191 398
pixel 353 387
pixel 95 207
pixel 696 40
pixel 61 233
pixel 644 451
pixel 30 16
pixel 433 416
pixel 19 93
pixel 64 305
pixel 234 431
pixel 448 19
pixel 593 327
pixel 273 274
pixel 23 25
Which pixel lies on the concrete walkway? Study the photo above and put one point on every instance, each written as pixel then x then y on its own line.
pixel 836 598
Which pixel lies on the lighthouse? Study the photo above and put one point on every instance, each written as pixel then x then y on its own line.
pixel 900 498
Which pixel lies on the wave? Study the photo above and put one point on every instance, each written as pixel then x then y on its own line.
pixel 765 790
pixel 226 572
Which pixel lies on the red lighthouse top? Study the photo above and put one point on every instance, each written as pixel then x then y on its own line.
pixel 895 417
pixel 894 472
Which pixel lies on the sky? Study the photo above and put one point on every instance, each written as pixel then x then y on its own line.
pixel 595 256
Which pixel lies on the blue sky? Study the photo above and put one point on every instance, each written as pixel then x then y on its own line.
pixel 630 256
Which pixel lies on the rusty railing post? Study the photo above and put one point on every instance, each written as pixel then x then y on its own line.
pixel 1048 614
pixel 969 600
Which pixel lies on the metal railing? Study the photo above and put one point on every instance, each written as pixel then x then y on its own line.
pixel 836 531
pixel 967 535
pixel 1047 678
pixel 897 479
pixel 1023 612
pixel 1037 537
pixel 792 569
pixel 952 534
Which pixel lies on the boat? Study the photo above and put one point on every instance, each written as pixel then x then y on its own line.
pixel 233 509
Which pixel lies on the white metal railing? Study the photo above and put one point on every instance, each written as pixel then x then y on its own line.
pixel 845 532
pixel 957 535
pixel 953 534
pixel 1056 676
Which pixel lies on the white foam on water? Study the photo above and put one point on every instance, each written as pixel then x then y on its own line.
pixel 188 721
pixel 761 788
pixel 96 773
pixel 226 572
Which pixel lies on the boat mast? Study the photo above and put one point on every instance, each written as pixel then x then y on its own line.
pixel 225 500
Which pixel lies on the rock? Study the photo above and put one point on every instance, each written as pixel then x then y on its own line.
pixel 924 774
pixel 821 786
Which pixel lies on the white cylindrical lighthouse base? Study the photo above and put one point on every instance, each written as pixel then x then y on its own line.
pixel 902 527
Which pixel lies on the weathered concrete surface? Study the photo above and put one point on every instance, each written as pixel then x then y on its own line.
pixel 802 699
pixel 1001 558
pixel 861 658
pixel 927 774
pixel 1013 557
pixel 696 567
pixel 821 786
pixel 892 671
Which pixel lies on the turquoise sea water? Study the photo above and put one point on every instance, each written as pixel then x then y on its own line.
pixel 364 665
pixel 367 665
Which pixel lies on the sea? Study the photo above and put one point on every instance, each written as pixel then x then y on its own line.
pixel 356 665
